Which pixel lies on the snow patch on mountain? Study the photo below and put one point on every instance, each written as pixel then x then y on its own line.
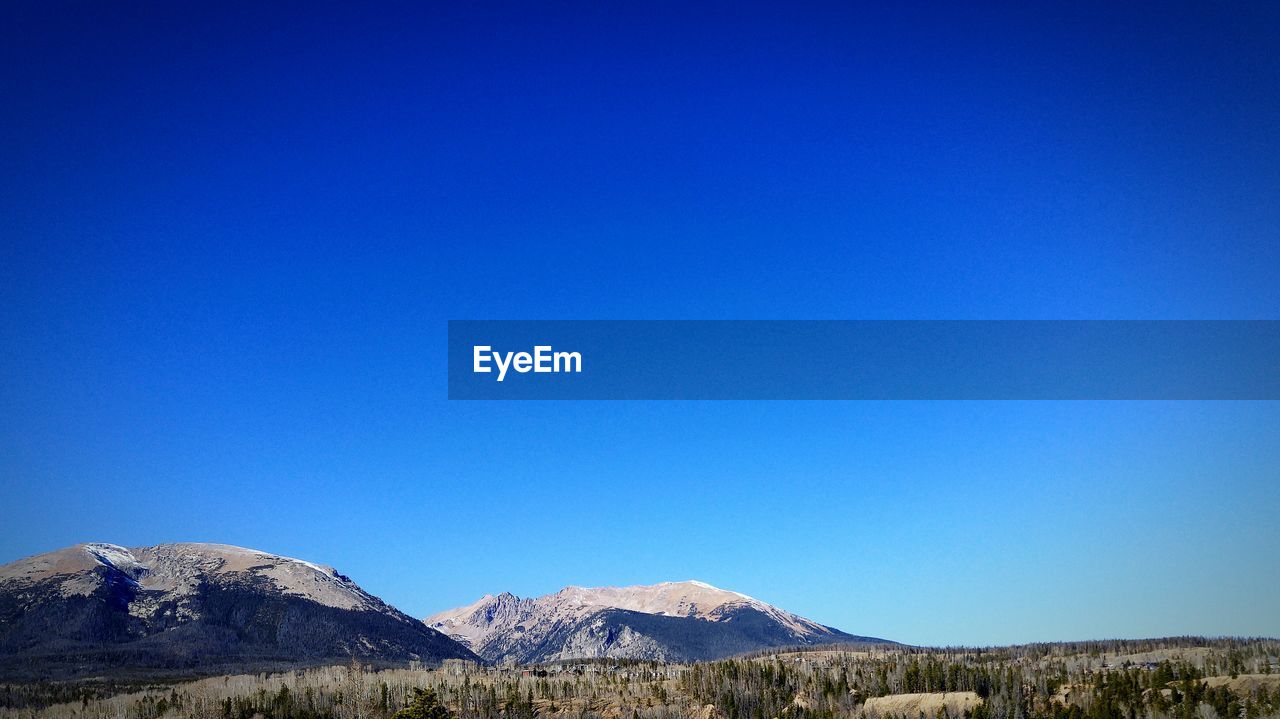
pixel 90 609
pixel 178 570
pixel 504 625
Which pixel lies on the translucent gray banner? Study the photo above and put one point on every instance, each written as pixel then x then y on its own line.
pixel 705 359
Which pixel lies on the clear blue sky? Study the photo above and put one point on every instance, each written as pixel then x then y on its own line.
pixel 232 238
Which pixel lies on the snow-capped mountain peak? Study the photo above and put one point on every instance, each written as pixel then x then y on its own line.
pixel 179 568
pixel 580 622
pixel 167 605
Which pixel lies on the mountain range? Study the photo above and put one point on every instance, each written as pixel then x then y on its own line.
pixel 194 608
pixel 183 609
pixel 672 621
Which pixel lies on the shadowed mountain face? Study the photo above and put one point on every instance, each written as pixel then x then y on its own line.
pixel 672 621
pixel 96 609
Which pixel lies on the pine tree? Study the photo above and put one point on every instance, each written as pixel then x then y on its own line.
pixel 424 705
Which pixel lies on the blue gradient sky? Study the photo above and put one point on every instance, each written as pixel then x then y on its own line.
pixel 233 237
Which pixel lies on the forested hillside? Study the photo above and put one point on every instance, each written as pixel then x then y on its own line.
pixel 1183 678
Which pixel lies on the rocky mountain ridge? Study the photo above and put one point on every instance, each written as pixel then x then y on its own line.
pixel 670 621
pixel 191 608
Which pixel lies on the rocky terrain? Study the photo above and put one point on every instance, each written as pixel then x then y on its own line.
pixel 193 608
pixel 671 621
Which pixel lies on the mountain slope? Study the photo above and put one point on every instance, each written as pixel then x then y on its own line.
pixel 193 608
pixel 671 621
